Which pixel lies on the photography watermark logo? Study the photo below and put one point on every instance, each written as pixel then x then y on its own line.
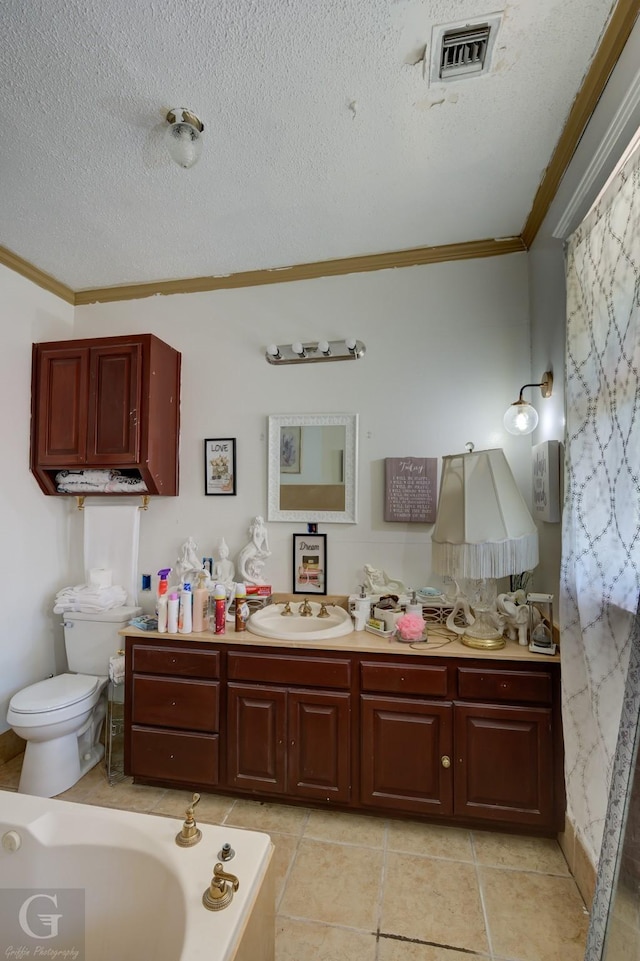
pixel 43 923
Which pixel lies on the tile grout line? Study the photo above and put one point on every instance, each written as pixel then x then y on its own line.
pixel 383 881
pixel 481 896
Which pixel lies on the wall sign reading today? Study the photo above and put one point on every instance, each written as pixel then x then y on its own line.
pixel 410 489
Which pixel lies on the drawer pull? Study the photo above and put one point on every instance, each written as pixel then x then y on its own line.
pixel 446 761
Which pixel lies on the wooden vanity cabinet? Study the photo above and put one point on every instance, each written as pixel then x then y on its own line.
pixel 289 725
pixel 405 740
pixel 489 749
pixel 172 713
pixel 470 741
pixel 107 403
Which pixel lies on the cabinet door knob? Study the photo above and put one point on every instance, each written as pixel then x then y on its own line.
pixel 446 761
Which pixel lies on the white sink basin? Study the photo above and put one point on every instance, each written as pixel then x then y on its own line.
pixel 270 622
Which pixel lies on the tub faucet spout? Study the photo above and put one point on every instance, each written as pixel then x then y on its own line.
pixel 220 892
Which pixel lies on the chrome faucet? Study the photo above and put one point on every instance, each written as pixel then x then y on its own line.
pixel 305 608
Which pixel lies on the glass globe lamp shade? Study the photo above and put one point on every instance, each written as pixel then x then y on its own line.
pixel 184 137
pixel 520 418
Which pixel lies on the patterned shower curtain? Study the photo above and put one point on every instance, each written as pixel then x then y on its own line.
pixel 600 576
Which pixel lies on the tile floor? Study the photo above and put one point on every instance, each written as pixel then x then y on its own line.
pixel 356 888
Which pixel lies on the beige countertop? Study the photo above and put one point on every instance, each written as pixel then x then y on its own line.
pixel 359 642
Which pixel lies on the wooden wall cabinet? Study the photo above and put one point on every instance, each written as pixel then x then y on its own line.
pixel 106 403
pixel 463 740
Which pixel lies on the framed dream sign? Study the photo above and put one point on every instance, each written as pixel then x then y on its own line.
pixel 220 465
pixel 309 563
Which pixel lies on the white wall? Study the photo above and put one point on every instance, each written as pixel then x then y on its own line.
pixel 447 349
pixel 35 529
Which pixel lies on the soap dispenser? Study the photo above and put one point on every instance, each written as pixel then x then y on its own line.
pixel 362 609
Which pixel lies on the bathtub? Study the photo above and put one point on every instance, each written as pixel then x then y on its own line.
pixel 142 892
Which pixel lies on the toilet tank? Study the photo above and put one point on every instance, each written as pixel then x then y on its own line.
pixel 91 639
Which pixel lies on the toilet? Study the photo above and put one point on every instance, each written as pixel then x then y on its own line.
pixel 61 717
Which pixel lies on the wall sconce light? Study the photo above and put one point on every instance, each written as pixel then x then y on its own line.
pixel 312 353
pixel 521 417
pixel 184 140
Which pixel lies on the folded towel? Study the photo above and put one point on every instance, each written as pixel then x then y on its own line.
pixel 98 481
pixel 90 600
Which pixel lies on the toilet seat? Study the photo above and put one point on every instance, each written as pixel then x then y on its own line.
pixel 54 694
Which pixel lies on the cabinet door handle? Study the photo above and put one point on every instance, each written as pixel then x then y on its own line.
pixel 445 761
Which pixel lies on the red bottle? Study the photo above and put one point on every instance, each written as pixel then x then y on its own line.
pixel 220 609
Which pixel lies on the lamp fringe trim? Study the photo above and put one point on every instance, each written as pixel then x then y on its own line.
pixel 497 559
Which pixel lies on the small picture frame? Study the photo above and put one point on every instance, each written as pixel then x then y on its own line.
pixel 290 450
pixel 220 465
pixel 309 563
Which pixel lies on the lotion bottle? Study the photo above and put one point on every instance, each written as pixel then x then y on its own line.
pixel 200 605
pixel 185 612
pixel 162 613
pixel 172 613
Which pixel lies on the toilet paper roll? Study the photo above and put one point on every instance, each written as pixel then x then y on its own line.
pixel 99 577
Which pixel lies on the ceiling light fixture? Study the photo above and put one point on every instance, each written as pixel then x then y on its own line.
pixel 521 417
pixel 312 353
pixel 184 140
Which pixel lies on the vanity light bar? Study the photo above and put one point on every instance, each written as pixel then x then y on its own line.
pixel 312 353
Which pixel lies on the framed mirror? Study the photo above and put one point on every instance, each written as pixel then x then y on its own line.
pixel 313 468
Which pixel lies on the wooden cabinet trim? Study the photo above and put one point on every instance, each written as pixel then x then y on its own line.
pixel 175 756
pixel 490 684
pixel 175 661
pixel 181 703
pixel 289 669
pixel 404 678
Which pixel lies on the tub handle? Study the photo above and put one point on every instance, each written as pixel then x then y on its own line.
pixel 190 833
pixel 220 892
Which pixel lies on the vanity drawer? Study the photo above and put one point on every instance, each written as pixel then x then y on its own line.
pixel 526 687
pixel 289 669
pixel 394 678
pixel 173 756
pixel 173 702
pixel 174 660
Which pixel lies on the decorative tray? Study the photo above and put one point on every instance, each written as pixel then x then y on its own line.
pixel 379 632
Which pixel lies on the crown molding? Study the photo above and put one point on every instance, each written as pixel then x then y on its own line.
pixel 415 257
pixel 606 56
pixel 37 276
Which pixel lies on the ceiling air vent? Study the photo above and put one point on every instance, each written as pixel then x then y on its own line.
pixel 460 50
pixel 464 51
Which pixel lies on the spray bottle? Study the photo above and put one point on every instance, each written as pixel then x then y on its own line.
pixel 162 601
pixel 220 615
pixel 242 608
pixel 201 605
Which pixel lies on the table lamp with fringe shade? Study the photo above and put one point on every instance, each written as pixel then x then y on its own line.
pixel 483 531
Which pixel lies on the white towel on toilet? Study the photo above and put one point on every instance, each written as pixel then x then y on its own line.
pixel 116 668
pixel 111 538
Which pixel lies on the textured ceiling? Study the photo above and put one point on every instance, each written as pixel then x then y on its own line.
pixel 323 135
